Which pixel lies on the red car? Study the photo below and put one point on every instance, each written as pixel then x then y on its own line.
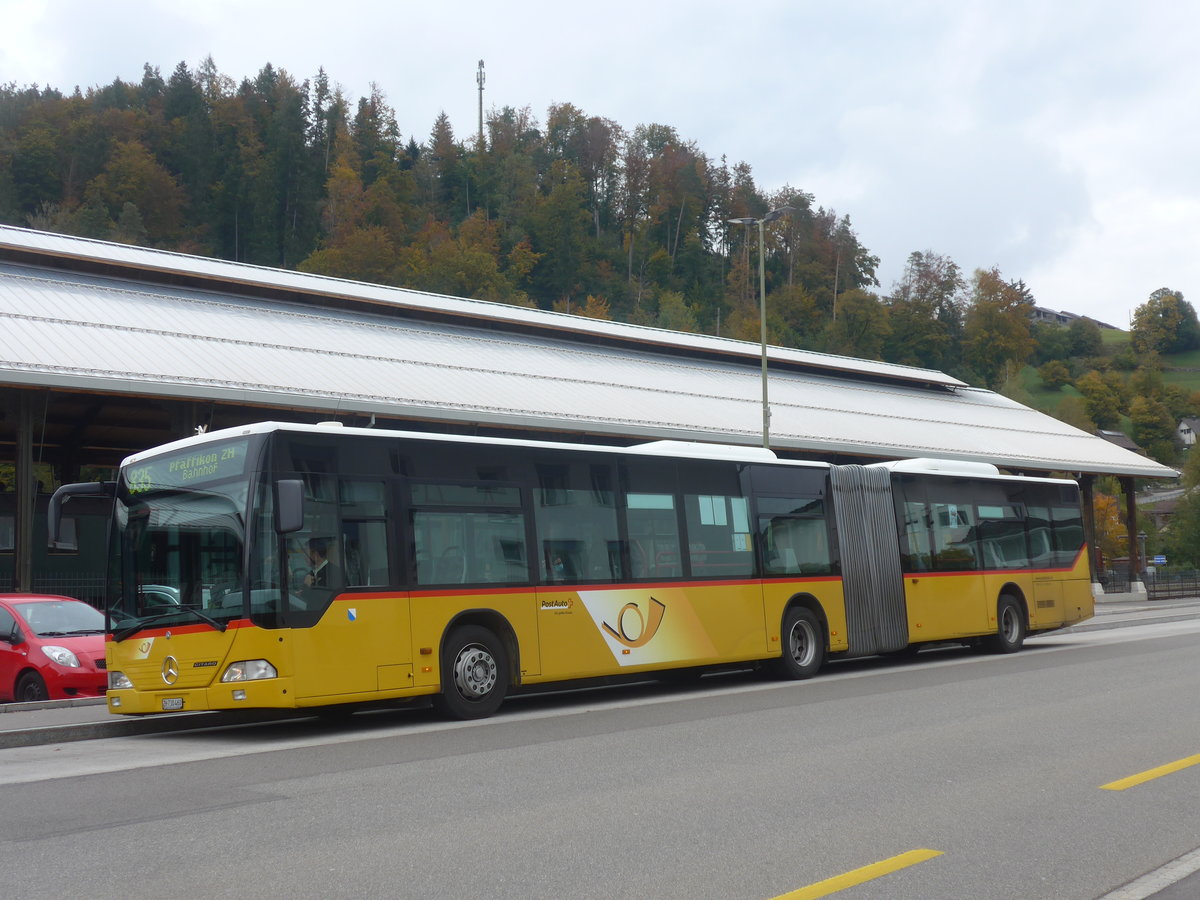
pixel 51 648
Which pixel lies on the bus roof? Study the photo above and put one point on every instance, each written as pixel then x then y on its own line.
pixel 964 468
pixel 675 449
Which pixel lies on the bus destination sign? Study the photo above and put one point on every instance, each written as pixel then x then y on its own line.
pixel 188 469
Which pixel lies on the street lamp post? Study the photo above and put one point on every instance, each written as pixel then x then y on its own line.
pixel 762 307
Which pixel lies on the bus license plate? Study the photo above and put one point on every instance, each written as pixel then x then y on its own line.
pixel 171 703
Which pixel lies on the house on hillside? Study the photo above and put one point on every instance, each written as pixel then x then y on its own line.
pixel 1121 439
pixel 1053 316
pixel 1186 431
pixel 1062 317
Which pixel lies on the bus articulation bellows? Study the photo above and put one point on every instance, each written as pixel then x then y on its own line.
pixel 294 566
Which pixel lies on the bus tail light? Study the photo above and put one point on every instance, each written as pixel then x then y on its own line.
pixel 119 681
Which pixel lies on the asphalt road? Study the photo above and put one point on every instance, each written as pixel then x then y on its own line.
pixel 995 767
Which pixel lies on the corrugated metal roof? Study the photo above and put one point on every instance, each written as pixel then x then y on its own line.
pixel 228 275
pixel 88 332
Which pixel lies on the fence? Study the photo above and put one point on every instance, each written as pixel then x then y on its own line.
pixel 88 588
pixel 1161 584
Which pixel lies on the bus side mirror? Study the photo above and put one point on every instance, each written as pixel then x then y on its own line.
pixel 65 493
pixel 289 505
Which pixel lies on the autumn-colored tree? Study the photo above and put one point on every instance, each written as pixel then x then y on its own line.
pixel 1111 534
pixel 133 176
pixel 1051 343
pixel 1165 323
pixel 1085 338
pixel 559 227
pixel 925 313
pixel 592 145
pixel 675 314
pixel 861 328
pixel 1153 428
pixel 596 308
pixel 997 332
pixel 362 253
pixel 1101 399
pixel 1054 374
pixel 466 264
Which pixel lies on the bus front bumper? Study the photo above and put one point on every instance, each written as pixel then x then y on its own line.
pixel 273 693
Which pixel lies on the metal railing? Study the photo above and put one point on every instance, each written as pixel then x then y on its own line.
pixel 88 588
pixel 1161 584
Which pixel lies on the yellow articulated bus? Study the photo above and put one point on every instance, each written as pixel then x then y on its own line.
pixel 294 566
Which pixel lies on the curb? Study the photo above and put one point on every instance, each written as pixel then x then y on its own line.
pixel 128 726
pixel 1098 624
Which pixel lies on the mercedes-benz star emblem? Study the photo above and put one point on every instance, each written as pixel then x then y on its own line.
pixel 170 670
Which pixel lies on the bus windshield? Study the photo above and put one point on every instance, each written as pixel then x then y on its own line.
pixel 180 527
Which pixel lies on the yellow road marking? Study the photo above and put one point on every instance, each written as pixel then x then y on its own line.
pixel 1151 774
pixel 860 876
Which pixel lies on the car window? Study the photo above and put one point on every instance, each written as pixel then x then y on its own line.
pixel 60 617
pixel 7 623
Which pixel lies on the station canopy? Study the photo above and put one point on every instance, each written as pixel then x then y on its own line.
pixel 89 316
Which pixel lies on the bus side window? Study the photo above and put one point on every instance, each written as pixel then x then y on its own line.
pixel 914 537
pixel 365 552
pixel 954 536
pixel 1068 532
pixel 362 549
pixel 1002 536
pixel 576 519
pixel 468 547
pixel 794 536
pixel 1041 542
pixel 653 535
pixel 718 530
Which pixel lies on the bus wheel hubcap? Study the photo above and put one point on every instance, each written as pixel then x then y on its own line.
pixel 475 672
pixel 802 644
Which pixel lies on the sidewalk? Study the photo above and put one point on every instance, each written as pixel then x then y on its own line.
pixel 1114 611
pixel 60 721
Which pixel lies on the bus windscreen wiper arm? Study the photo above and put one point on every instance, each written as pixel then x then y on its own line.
pixel 121 633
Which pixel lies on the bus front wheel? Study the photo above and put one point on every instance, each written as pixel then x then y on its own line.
pixel 474 674
pixel 1010 626
pixel 803 645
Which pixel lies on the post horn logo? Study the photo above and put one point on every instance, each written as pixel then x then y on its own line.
pixel 640 635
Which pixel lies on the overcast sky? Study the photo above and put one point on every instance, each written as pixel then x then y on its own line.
pixel 1055 140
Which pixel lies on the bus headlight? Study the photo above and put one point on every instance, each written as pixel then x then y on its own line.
pixel 118 681
pixel 62 656
pixel 249 670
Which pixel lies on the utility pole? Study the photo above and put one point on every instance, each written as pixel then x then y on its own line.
pixel 480 78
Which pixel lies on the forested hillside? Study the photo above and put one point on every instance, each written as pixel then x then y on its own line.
pixel 572 211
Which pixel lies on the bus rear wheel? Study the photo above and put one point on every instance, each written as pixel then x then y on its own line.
pixel 1010 626
pixel 803 641
pixel 474 674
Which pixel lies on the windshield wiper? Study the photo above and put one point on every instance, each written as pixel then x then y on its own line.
pixel 121 633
